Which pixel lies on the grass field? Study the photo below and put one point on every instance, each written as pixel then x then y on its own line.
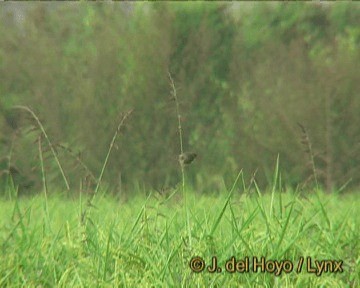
pixel 145 241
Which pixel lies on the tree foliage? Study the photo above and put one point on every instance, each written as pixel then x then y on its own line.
pixel 246 75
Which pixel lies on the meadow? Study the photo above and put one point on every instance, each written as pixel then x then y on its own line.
pixel 179 237
pixel 152 241
pixel 89 132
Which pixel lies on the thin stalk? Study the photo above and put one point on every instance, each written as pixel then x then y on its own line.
pixel 43 178
pixel 174 94
pixel 8 176
pixel 78 160
pixel 307 143
pixel 127 114
pixel 273 190
pixel 48 141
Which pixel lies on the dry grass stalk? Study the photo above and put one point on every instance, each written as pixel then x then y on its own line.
pixel 85 214
pixel 42 129
pixel 305 141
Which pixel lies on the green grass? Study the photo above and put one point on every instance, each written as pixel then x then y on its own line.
pixel 144 242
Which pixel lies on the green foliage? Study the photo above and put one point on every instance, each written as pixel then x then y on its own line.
pixel 144 242
pixel 246 74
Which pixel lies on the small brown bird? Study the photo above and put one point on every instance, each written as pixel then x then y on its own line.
pixel 186 158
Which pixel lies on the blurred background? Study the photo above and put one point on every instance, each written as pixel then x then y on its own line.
pixel 246 75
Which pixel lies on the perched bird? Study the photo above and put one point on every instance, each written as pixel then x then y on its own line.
pixel 186 158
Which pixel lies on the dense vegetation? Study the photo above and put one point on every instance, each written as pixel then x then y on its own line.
pixel 93 97
pixel 246 75
pixel 145 242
